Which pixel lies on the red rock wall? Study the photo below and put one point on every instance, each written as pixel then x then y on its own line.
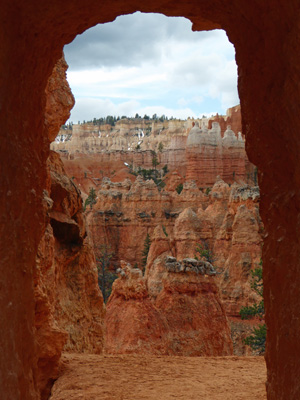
pixel 228 219
pixel 209 155
pixel 69 309
pixel 88 170
pixel 265 36
pixel 179 313
pixel 198 160
pixel 200 156
pixel 125 212
pixel 68 303
pixel 233 118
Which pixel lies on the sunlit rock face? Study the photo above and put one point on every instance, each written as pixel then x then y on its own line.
pixel 226 218
pixel 209 155
pixel 178 313
pixel 69 309
pixel 233 118
pixel 90 152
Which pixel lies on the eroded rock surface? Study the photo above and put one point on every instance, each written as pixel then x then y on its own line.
pixel 174 310
pixel 69 305
pixel 227 220
pixel 91 151
pixel 69 309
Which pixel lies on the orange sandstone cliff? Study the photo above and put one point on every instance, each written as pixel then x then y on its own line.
pixel 196 149
pixel 226 219
pixel 69 309
pixel 178 312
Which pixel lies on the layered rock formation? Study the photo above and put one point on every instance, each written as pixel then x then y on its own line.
pixel 233 118
pixel 69 306
pixel 174 310
pixel 91 152
pixel 209 155
pixel 69 309
pixel 227 220
pixel 125 135
pixel 268 66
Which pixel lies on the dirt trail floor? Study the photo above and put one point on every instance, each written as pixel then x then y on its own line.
pixel 131 377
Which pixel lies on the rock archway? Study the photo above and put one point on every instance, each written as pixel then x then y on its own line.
pixel 265 36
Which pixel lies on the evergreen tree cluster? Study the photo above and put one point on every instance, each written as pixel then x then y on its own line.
pixel 106 277
pixel 257 339
pixel 205 252
pixel 152 173
pixel 112 119
pixel 91 199
pixel 147 244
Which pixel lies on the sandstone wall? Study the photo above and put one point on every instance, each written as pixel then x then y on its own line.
pixel 233 118
pixel 126 135
pixel 69 309
pixel 227 219
pixel 201 156
pixel 209 155
pixel 174 310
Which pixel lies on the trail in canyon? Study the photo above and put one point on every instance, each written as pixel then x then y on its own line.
pixel 128 377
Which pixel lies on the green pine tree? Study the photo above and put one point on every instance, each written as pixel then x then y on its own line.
pixel 257 339
pixel 147 244
pixel 160 147
pixel 91 199
pixel 205 251
pixel 106 277
pixel 155 161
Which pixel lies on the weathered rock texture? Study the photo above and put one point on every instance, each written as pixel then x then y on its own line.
pixel 60 99
pixel 227 219
pixel 69 306
pixel 233 118
pixel 194 153
pixel 127 134
pixel 174 310
pixel 265 36
pixel 68 303
pixel 209 155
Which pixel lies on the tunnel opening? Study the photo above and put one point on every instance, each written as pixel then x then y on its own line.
pixel 121 225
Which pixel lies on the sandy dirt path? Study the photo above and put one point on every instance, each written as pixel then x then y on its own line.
pixel 131 377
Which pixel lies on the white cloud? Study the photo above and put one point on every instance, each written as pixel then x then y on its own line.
pixel 149 61
pixel 91 107
pixel 182 102
pixel 88 108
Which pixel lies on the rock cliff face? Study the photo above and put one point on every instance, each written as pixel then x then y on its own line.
pixel 174 310
pixel 69 309
pixel 91 152
pixel 209 155
pixel 233 118
pixel 69 306
pixel 226 220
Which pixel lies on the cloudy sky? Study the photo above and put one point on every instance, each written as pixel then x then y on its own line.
pixel 147 64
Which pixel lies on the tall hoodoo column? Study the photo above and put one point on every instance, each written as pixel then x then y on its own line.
pixel 265 35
